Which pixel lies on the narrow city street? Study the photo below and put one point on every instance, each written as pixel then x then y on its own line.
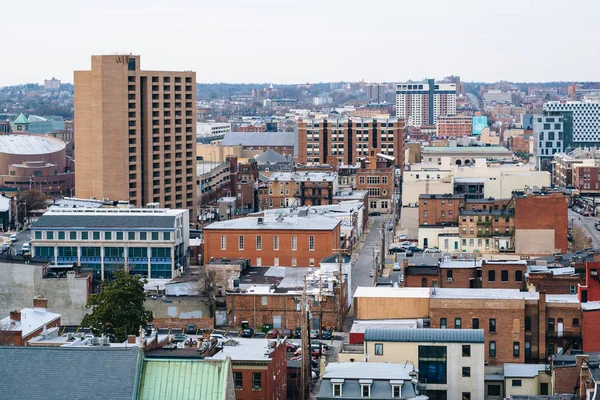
pixel 588 224
pixel 364 263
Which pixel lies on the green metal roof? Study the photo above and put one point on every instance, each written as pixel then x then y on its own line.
pixel 21 119
pixel 184 379
pixel 389 334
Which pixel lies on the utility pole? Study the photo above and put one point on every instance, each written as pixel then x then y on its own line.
pixel 374 267
pixel 341 299
pixel 305 353
pixel 320 308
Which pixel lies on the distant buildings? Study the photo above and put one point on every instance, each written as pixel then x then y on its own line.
pixel 52 84
pixel 564 126
pixel 579 169
pixel 287 189
pixel 212 128
pixel 454 126
pixel 25 324
pixel 375 92
pixel 140 145
pixel 345 141
pixel 420 103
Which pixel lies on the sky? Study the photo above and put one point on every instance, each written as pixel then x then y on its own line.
pixel 299 41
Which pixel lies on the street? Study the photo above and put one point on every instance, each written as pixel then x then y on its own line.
pixel 364 263
pixel 588 224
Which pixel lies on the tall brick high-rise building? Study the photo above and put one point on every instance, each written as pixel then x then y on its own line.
pixel 420 103
pixel 344 141
pixel 136 133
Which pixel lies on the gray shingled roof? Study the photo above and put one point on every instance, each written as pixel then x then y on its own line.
pixel 271 156
pixel 258 139
pixel 68 373
pixel 107 220
pixel 389 334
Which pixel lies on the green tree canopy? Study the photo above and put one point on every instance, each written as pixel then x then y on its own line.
pixel 118 308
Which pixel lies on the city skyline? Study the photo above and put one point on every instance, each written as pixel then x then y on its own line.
pixel 236 41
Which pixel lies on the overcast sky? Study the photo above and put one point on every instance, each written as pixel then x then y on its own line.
pixel 294 41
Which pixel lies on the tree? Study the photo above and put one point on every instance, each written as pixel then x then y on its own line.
pixel 32 200
pixel 118 308
pixel 580 240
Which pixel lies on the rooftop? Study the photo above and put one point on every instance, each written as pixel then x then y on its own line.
pixel 388 334
pixel 103 218
pixel 303 176
pixel 67 373
pixel 497 294
pixel 30 144
pixel 372 370
pixel 248 139
pixel 523 370
pixel 31 320
pixel 448 264
pixel 367 291
pixel 307 223
pixel 245 350
pixel 280 280
pixel 466 149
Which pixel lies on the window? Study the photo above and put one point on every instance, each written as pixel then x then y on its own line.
pixel 449 275
pixel 61 235
pixel 572 290
pixel 365 390
pixel 492 324
pixel 527 348
pixel 492 349
pixel 378 349
pixel 50 235
pixel 294 243
pixel 264 300
pixel 223 242
pixel 240 242
pixel 466 395
pixel 527 323
pixel 154 235
pixel 259 243
pixel 457 323
pixel 466 372
pixel 84 235
pixel 517 383
pixel 516 349
pixel 491 276
pixel 311 262
pixel 550 348
pixel 519 276
pixel 107 235
pixel 432 364
pixel 275 242
pixel 238 381
pixel 443 323
pixel 550 324
pixel 504 275
pixel 38 234
pixel 131 235
pixel 311 243
pixel 337 390
pixel 144 236
pixel 294 262
pixel 575 321
pixel 166 236
pixel 466 350
pixel 475 323
pixel 256 381
pixel 493 390
pixel 396 391
pixel 119 235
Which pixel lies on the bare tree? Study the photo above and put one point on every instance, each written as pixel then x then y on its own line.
pixel 580 239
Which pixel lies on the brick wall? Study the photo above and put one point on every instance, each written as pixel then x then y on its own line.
pixel 550 284
pixel 461 277
pixel 177 323
pixel 515 274
pixel 273 377
pixel 439 209
pixel 544 212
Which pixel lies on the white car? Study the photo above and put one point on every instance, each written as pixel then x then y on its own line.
pixel 13 238
pixel 26 247
pixel 220 338
pixel 406 244
pixel 432 250
pixel 396 267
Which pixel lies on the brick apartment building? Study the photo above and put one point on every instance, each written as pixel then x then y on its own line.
pixel 377 178
pixel 440 209
pixel 349 139
pixel 287 189
pixel 519 144
pixel 589 296
pixel 586 179
pixel 25 324
pixel 453 126
pixel 518 326
pixel 274 241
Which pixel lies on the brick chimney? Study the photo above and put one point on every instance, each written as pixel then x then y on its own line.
pixel 40 303
pixel 596 255
pixel 15 316
pixel 131 339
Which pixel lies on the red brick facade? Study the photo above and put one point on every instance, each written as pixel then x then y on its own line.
pixel 273 376
pixel 544 212
pixel 439 209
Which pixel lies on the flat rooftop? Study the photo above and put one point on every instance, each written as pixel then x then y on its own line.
pixel 31 320
pixel 307 223
pixel 304 176
pixel 245 350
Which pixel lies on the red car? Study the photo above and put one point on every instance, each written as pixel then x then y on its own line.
pixel 291 346
pixel 272 334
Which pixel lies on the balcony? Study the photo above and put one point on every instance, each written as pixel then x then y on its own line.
pixel 565 333
pixel 493 234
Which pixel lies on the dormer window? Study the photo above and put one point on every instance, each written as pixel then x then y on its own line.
pixel 396 391
pixel 365 387
pixel 336 385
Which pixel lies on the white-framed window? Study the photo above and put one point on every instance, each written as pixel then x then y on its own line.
pixel 275 242
pixel 396 391
pixel 276 262
pixel 258 262
pixel 311 243
pixel 223 242
pixel 294 243
pixel 311 262
pixel 241 243
pixel 337 390
pixel 365 390
pixel 294 262
pixel 259 243
pixel 264 300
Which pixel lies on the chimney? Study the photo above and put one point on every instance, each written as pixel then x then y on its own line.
pixel 15 316
pixel 131 339
pixel 597 256
pixel 40 303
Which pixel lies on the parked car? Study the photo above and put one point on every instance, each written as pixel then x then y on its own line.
pixel 20 253
pixel 371 273
pixel 248 332
pixel 396 267
pixel 317 342
pixel 191 329
pixel 432 250
pixel 314 334
pixel 390 226
pixel 409 253
pixel 394 250
pixel 26 247
pixel 585 213
pixel 272 334
pixel 291 346
pixel 180 337
pixel 298 333
pixel 401 237
pixel 406 244
pixel 287 333
pixel 415 249
pixel 327 334
pixel 13 238
pixel 374 214
pixel 220 338
pixel 4 248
